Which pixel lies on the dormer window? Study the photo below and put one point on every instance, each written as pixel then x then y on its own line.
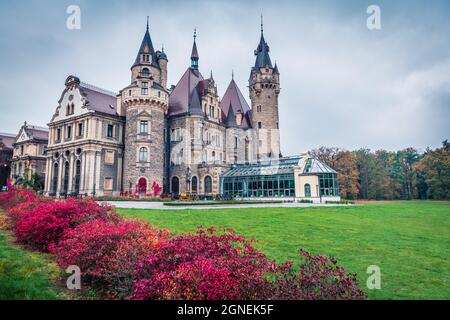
pixel 145 58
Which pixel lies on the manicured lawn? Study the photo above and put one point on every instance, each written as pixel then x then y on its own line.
pixel 24 274
pixel 409 241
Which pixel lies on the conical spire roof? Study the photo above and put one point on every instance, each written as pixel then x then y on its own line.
pixel 231 118
pixel 146 46
pixel 195 106
pixel 262 52
pixel 233 97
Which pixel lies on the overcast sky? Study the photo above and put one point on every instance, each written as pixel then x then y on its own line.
pixel 342 84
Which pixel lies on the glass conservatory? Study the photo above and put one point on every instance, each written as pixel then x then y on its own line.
pixel 293 177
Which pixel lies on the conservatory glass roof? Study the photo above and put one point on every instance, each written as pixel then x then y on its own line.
pixel 285 165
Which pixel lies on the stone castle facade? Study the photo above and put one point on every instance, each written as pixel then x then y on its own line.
pixel 150 139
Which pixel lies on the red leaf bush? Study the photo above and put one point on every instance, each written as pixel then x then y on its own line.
pixel 205 265
pixel 317 278
pixel 16 196
pixel 42 224
pixel 107 252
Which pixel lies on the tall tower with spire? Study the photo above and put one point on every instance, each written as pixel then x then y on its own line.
pixel 264 87
pixel 144 103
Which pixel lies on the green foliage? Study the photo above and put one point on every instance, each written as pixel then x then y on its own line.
pixel 387 175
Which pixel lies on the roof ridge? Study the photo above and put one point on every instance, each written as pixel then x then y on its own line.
pixel 98 89
pixel 11 135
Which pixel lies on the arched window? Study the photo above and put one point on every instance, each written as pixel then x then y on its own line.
pixel 208 184
pixel 145 72
pixel 77 176
pixel 307 190
pixel 66 178
pixel 194 184
pixel 143 154
pixel 213 156
pixel 55 178
pixel 175 185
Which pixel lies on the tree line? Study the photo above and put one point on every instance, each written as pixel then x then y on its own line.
pixel 387 175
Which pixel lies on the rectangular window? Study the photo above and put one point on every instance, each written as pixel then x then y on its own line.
pixel 69 132
pixel 259 125
pixel 144 127
pixel 144 90
pixel 109 157
pixel 80 129
pixel 58 134
pixel 110 131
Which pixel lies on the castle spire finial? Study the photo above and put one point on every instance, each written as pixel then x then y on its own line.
pixel 262 24
pixel 232 74
pixel 147 22
pixel 195 33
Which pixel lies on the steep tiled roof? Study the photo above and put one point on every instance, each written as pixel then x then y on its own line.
pixel 146 47
pixel 180 96
pixel 195 106
pixel 233 97
pixel 262 54
pixel 230 121
pixel 37 132
pixel 98 99
pixel 7 139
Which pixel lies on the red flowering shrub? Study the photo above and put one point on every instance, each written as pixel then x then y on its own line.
pixel 318 278
pixel 39 229
pixel 205 265
pixel 43 223
pixel 107 252
pixel 15 196
pixel 16 212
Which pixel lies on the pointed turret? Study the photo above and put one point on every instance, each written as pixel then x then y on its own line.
pixel 275 69
pixel 195 106
pixel 231 118
pixel 146 53
pixel 194 53
pixel 262 52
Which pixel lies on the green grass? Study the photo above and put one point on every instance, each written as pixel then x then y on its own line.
pixel 409 241
pixel 26 275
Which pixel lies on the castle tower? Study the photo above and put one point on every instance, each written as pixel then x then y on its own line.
pixel 264 86
pixel 144 103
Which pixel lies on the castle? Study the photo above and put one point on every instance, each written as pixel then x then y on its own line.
pixel 149 139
